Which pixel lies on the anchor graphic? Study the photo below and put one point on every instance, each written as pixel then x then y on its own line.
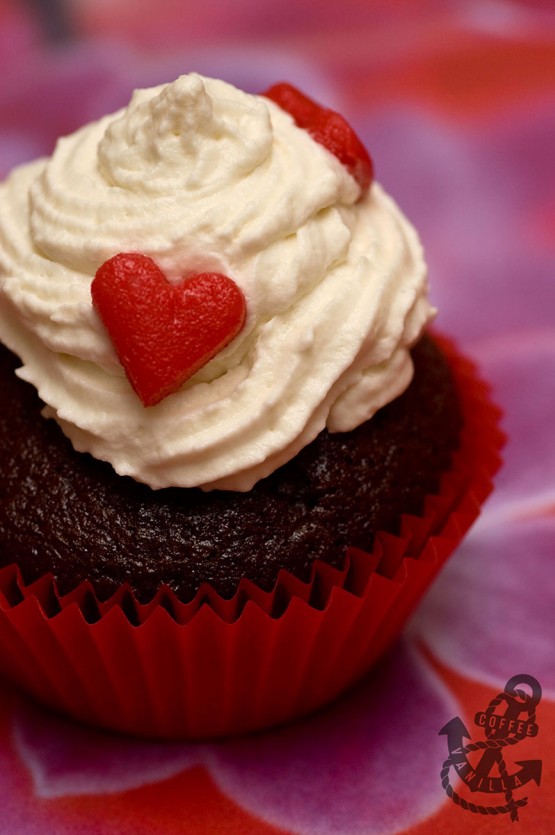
pixel 502 730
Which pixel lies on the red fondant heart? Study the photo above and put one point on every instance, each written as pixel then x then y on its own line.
pixel 328 128
pixel 164 333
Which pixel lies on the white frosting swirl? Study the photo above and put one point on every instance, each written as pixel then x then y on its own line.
pixel 201 176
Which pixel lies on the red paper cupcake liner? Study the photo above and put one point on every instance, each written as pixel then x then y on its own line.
pixel 213 667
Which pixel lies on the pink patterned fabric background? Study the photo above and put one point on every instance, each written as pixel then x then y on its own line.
pixel 456 103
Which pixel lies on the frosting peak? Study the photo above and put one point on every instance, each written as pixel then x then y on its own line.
pixel 202 177
pixel 183 140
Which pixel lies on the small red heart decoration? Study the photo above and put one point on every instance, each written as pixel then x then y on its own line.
pixel 163 333
pixel 328 128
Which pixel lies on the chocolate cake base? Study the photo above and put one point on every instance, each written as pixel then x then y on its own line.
pixel 66 513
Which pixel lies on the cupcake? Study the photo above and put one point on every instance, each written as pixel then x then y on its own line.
pixel 233 457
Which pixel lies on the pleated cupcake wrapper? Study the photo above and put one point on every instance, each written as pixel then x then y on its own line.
pixel 213 667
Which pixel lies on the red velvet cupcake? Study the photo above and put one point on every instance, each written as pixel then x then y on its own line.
pixel 232 459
